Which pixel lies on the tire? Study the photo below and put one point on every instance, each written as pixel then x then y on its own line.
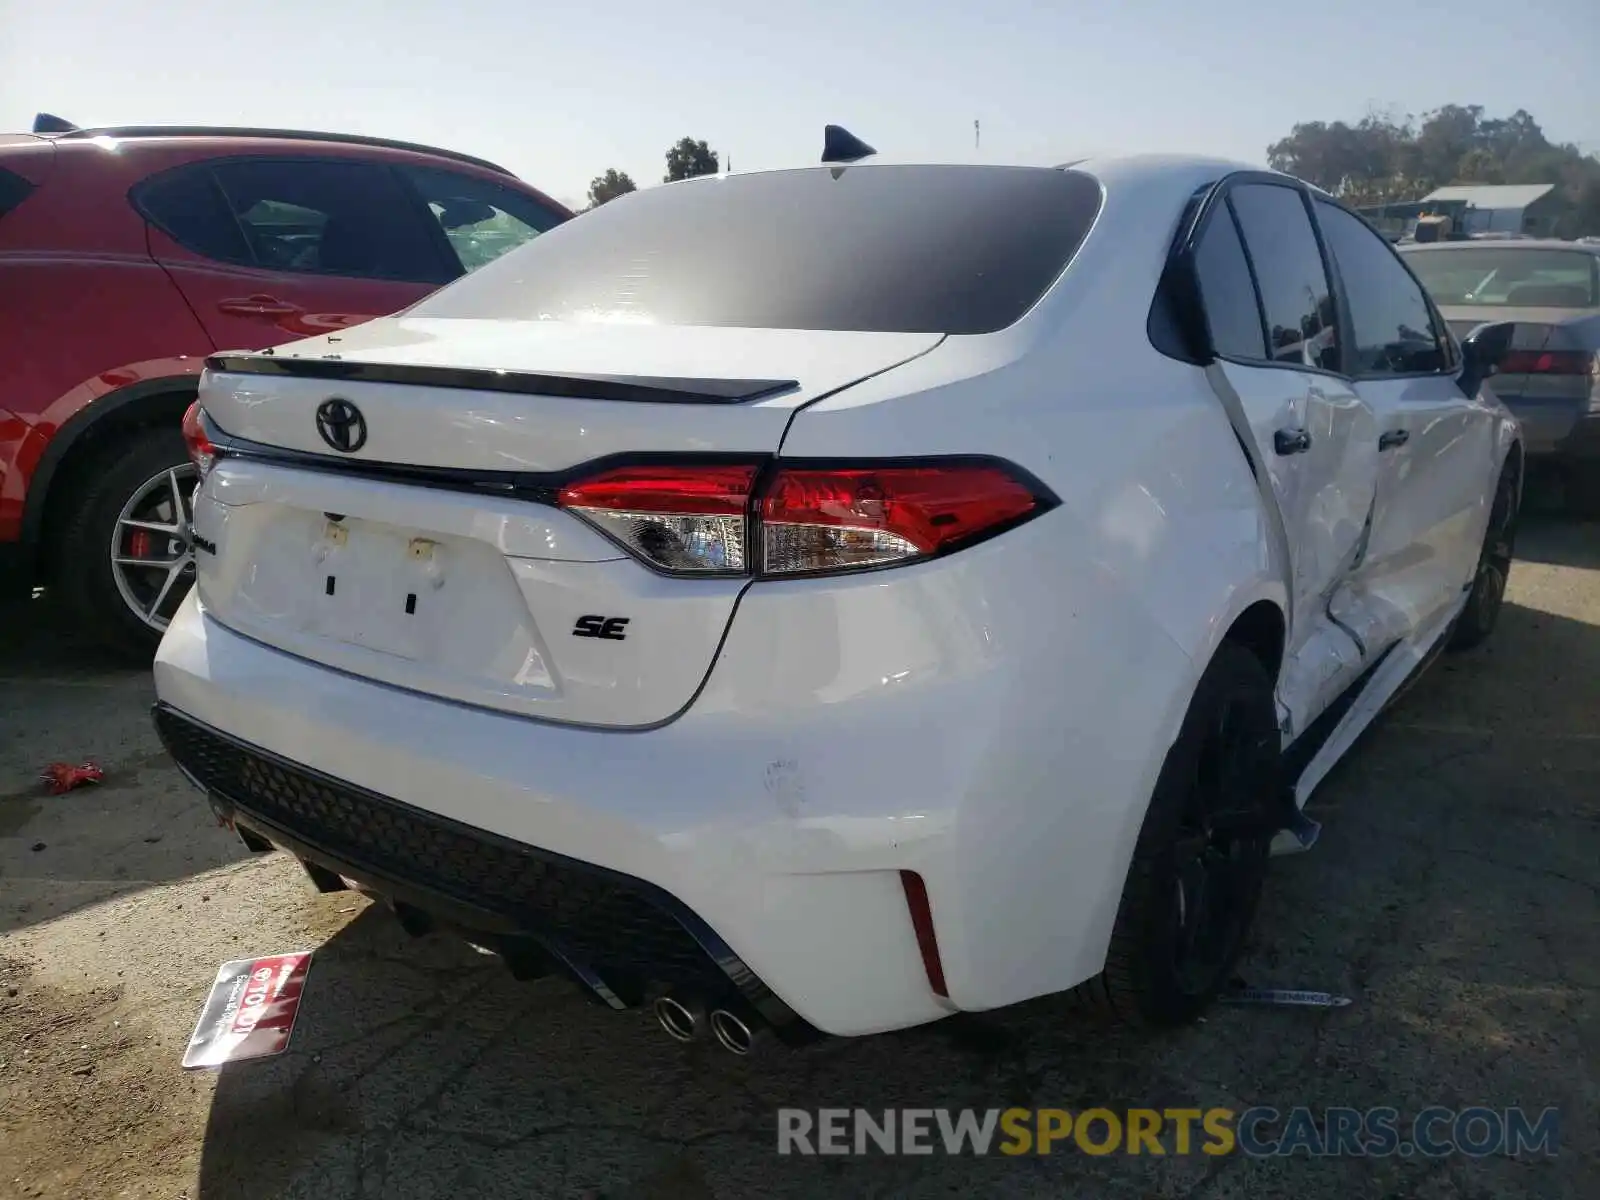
pixel 1149 979
pixel 85 577
pixel 1484 602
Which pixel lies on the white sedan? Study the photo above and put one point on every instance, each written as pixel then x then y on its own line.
pixel 832 599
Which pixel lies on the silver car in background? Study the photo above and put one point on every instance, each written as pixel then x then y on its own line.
pixel 1551 376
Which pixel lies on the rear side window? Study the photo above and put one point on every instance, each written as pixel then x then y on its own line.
pixel 191 209
pixel 1392 330
pixel 300 215
pixel 923 249
pixel 1289 271
pixel 14 189
pixel 1229 296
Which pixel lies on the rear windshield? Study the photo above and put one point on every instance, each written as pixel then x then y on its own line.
pixel 14 189
pixel 904 249
pixel 1509 277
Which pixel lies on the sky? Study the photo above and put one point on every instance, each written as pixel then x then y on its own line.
pixel 558 93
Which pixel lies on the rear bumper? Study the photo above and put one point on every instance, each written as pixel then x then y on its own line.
pixel 851 730
pixel 1557 430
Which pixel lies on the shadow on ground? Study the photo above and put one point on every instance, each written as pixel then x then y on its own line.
pixel 64 699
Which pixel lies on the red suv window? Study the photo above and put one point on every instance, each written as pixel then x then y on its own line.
pixel 315 216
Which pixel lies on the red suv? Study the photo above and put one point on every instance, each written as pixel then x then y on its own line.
pixel 128 255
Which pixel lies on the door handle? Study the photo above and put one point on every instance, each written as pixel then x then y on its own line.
pixel 1392 438
pixel 257 306
pixel 1291 441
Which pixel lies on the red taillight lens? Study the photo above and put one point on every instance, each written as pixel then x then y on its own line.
pixel 1546 362
pixel 698 519
pixel 836 518
pixel 690 518
pixel 201 450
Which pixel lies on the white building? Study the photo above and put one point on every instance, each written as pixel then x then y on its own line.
pixel 1504 208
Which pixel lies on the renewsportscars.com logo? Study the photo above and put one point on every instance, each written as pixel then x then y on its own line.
pixel 1258 1132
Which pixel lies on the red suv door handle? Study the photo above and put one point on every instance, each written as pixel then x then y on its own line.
pixel 257 306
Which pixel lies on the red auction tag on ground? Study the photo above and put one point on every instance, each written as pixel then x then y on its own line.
pixel 250 1011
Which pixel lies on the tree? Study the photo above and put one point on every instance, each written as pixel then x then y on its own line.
pixel 1386 158
pixel 609 186
pixel 688 158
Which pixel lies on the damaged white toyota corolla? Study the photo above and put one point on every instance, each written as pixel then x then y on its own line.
pixel 836 598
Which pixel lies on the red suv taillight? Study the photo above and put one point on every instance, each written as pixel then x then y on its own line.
pixel 201 450
pixel 801 519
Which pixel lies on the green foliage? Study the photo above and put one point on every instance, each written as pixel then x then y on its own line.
pixel 688 158
pixel 1382 159
pixel 609 186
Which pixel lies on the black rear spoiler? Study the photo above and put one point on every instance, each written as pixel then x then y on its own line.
pixel 642 389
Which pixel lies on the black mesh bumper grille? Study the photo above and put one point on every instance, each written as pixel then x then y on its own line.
pixel 600 919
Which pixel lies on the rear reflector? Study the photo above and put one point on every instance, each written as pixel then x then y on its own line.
pixel 689 519
pixel 922 925
pixel 1547 362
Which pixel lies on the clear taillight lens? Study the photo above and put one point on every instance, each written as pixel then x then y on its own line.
pixel 692 520
pixel 707 519
pixel 201 450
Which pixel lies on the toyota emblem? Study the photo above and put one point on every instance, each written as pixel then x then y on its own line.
pixel 341 425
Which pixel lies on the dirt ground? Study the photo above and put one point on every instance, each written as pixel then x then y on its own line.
pixel 1453 896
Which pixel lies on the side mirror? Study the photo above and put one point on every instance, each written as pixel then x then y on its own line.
pixel 1482 351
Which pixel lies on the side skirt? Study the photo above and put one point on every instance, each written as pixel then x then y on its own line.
pixel 1311 756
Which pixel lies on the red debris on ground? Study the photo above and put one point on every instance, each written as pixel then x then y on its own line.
pixel 63 777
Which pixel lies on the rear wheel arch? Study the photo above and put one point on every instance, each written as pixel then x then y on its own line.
pixel 1261 629
pixel 82 440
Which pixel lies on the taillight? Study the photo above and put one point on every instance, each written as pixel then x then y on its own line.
pixel 836 518
pixel 201 450
pixel 805 519
pixel 688 519
pixel 1546 362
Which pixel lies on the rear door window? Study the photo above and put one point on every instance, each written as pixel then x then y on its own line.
pixel 300 215
pixel 913 249
pixel 331 218
pixel 480 220
pixel 1295 296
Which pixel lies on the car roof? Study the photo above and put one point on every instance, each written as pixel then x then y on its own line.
pixel 246 134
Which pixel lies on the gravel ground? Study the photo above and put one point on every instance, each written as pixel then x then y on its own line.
pixel 1453 896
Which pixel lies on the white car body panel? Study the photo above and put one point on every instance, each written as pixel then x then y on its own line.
pixel 774 752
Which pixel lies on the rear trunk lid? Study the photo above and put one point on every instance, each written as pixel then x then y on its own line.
pixel 429 556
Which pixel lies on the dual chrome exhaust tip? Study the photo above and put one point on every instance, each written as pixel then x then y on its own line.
pixel 683 1022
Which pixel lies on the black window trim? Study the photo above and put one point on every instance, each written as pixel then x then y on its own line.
pixel 450 264
pixel 1218 195
pixel 1441 327
pixel 1221 197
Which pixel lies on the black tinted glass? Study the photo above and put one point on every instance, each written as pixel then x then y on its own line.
pixel 945 249
pixel 187 205
pixel 1226 290
pixel 1392 330
pixel 334 218
pixel 14 189
pixel 1288 265
pixel 480 220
